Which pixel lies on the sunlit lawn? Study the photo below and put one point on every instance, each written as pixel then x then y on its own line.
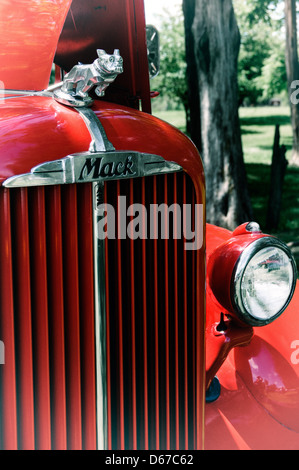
pixel 176 118
pixel 258 128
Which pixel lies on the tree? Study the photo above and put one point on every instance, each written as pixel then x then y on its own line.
pixel 292 68
pixel 252 56
pixel 193 120
pixel 261 58
pixel 273 79
pixel 171 80
pixel 216 46
pixel 256 11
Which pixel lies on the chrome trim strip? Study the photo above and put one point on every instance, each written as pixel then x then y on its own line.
pixel 100 142
pixel 100 323
pixel 19 93
pixel 54 86
pixel 90 167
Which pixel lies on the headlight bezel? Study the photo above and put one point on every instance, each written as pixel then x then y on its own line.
pixel 238 272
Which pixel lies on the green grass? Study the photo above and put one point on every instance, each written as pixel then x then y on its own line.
pixel 176 118
pixel 258 128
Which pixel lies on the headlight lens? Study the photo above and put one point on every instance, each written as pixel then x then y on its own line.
pixel 264 281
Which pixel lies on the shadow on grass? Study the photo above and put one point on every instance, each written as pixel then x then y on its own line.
pixel 287 142
pixel 246 131
pixel 270 147
pixel 265 120
pixel 259 177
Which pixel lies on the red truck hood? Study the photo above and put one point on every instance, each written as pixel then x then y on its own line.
pixel 29 32
pixel 36 33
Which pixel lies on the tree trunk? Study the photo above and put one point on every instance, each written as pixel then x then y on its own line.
pixel 292 68
pixel 193 117
pixel 278 171
pixel 216 45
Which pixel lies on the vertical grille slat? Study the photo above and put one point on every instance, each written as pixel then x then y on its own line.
pixel 108 335
pixel 167 371
pixel 144 443
pixel 133 330
pixel 120 341
pixel 72 319
pixel 40 330
pixel 185 308
pixel 8 398
pixel 56 319
pixel 154 395
pixel 48 387
pixel 23 320
pixel 156 417
pixel 87 321
pixel 176 322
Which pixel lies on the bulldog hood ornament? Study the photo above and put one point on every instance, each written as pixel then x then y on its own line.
pixel 82 78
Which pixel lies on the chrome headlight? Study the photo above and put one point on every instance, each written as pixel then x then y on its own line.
pixel 263 281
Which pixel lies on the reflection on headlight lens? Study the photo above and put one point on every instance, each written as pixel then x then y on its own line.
pixel 264 281
pixel 267 283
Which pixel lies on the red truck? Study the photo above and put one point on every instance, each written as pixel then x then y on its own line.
pixel 126 321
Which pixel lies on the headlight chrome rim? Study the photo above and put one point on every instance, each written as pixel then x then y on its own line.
pixel 239 271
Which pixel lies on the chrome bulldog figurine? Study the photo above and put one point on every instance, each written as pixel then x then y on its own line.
pixel 82 78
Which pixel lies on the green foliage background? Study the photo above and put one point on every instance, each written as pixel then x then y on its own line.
pixel 261 66
pixel 262 77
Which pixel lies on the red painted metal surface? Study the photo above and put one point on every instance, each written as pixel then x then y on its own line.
pixel 71 299
pixel 35 130
pixel 133 332
pixel 40 320
pixel 258 405
pixel 57 327
pixel 120 345
pixel 270 369
pixel 23 318
pixel 61 131
pixel 238 421
pixel 29 32
pixel 87 326
pixel 144 335
pixel 156 319
pixel 108 345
